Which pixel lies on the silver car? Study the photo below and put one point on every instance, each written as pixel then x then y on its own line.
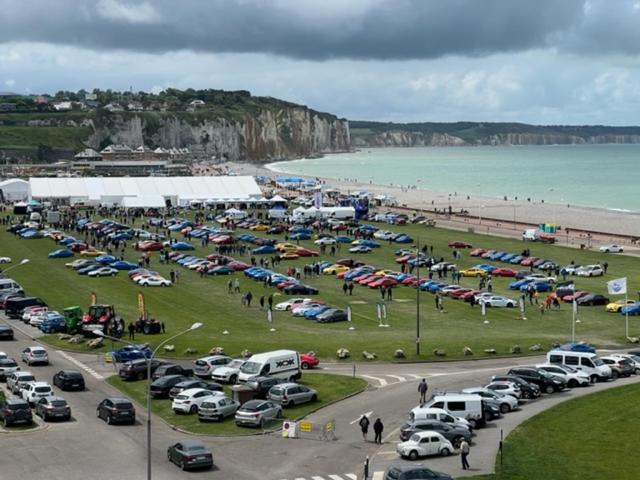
pixel 217 408
pixel 290 394
pixel 35 355
pixel 257 413
pixel 203 367
pixel 16 380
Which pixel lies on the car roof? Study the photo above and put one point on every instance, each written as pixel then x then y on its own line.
pixel 193 391
pixel 52 398
pixel 424 433
pixel 16 401
pixel 253 403
pixel 190 442
pixel 118 399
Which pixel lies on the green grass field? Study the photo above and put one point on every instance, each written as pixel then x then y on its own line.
pixel 54 137
pixel 206 300
pixel 589 438
pixel 330 388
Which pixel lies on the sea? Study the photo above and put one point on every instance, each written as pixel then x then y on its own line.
pixel 600 176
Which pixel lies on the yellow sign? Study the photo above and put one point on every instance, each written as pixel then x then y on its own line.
pixel 94 298
pixel 305 427
pixel 141 305
pixel 328 427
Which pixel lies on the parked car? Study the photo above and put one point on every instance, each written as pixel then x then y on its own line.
pixel 203 367
pixel 69 380
pixel 128 353
pixel 16 380
pixel 35 355
pixel 116 410
pixel 262 385
pixel 161 387
pixel 497 301
pixel 257 413
pixel 528 390
pixel 103 272
pixel 189 454
pixel 52 407
pixel 300 289
pixel 423 444
pixel 291 394
pixel 192 383
pixel 592 299
pixel 589 271
pixel 15 411
pixel 7 366
pixel 307 360
pixel 332 315
pixel 32 392
pixel 137 369
pixel 6 332
pixel 573 377
pixel 505 402
pixel 611 248
pixel 171 369
pixel 217 408
pixel 414 472
pixel 452 433
pixel 620 367
pixel 188 401
pixel 547 382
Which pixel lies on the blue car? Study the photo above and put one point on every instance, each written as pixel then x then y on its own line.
pixel 538 286
pixel 631 309
pixel 300 236
pixel 129 352
pixel 221 270
pixel 53 323
pixel 186 259
pixel 312 313
pixel 123 265
pixel 343 239
pixel 246 237
pixel 497 255
pixel 121 237
pixel 264 250
pixel 485 267
pixel 369 243
pixel 179 226
pixel 67 241
pixel 306 230
pixel 403 239
pixel 518 284
pixel 516 260
pixel 507 257
pixel 31 234
pixel 434 288
pixel 181 246
pixel 105 259
pixel 61 253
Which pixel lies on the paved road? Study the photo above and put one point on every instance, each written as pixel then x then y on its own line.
pixel 119 451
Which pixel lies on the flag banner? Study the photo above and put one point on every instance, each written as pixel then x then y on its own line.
pixel 575 307
pixel 521 303
pixel 384 311
pixel 317 199
pixel 269 316
pixel 349 313
pixel 379 310
pixel 617 286
pixel 484 309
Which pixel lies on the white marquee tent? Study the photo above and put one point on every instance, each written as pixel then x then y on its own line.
pixel 114 190
pixel 14 189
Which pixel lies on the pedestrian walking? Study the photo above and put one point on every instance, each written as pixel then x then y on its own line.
pixel 230 286
pixel 236 285
pixel 350 288
pixel 422 390
pixel 177 276
pixel 364 426
pixel 162 326
pixel 378 427
pixel 249 297
pixel 464 453
pixel 605 266
pixel 345 287
pixel 389 294
pixel 132 331
pixel 270 302
pixel 172 275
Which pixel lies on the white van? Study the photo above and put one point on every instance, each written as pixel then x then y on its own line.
pixel 465 405
pixel 586 362
pixel 422 413
pixel 279 363
pixel 8 285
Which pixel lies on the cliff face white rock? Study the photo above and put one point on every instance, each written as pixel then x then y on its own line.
pixel 265 136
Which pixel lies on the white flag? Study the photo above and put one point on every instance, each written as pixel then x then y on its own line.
pixel 269 316
pixel 617 286
pixel 483 306
pixel 349 313
pixel 575 307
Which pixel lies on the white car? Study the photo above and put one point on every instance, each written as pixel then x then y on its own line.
pixel 507 402
pixel 292 303
pixel 383 235
pixel 634 359
pixel 423 444
pixel 188 401
pixel 612 248
pixel 3 355
pixel 5 259
pixel 35 355
pixel 34 391
pixel 196 264
pixel 30 312
pixel 16 380
pixel 541 276
pixel 441 266
pixel 103 272
pixel 154 282
pixel 228 373
pixel 590 271
pixel 573 377
pixel 326 241
pixel 506 388
pixel 570 269
pixel 497 301
pixel 449 288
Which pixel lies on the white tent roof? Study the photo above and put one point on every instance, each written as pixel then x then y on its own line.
pixel 277 198
pixel 13 182
pixel 144 201
pixel 185 188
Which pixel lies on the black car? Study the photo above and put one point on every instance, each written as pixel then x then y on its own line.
pixel 262 385
pixel 116 410
pixel 548 383
pixel 529 390
pixel 189 454
pixel 6 332
pixel 414 472
pixel 14 306
pixel 171 369
pixel 332 315
pixel 161 387
pixel 299 289
pixel 187 384
pixel 137 369
pixel 450 432
pixel 592 299
pixel 15 411
pixel 69 380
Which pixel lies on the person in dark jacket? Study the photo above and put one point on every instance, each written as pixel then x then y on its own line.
pixel 378 427
pixel 364 426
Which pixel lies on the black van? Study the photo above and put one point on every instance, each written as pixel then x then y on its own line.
pixel 14 306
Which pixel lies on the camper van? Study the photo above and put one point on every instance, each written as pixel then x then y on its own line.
pixel 468 406
pixel 586 362
pixel 279 363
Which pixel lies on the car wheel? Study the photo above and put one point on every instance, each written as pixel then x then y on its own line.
pixel 614 374
pixel 593 378
pixel 183 465
pixel 548 389
pixel 637 371
pixel 445 452
pixel 504 408
pixel 510 305
pixel 573 383
pixel 304 365
pixel 526 395
pixel 233 379
pixel 109 420
pixel 6 423
pixel 169 456
pixel 314 398
pixel 140 376
pixel 193 409
pixel 98 414
pixel 413 455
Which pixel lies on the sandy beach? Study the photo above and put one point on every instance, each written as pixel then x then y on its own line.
pixel 494 215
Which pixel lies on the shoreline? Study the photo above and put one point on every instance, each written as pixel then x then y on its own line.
pixel 489 212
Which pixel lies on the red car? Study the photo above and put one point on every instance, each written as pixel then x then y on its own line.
pixel 409 280
pixel 503 272
pixel 469 295
pixel 305 252
pixel 339 227
pixel 362 277
pixel 460 292
pixel 383 282
pixel 459 244
pixel 575 296
pixel 529 261
pixel 238 266
pixel 477 252
pixel 223 240
pixel 148 246
pixel 78 246
pixel 404 258
pixel 308 361
pixel 369 279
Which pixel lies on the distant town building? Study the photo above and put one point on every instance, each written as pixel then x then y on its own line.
pixel 120 152
pixel 135 107
pixel 88 155
pixel 91 96
pixel 114 107
pixel 197 103
pixel 7 107
pixel 62 106
pixel 41 100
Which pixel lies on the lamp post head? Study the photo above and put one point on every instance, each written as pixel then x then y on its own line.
pixel 196 326
pixel 24 260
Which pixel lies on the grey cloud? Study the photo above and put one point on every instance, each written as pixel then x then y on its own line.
pixel 311 29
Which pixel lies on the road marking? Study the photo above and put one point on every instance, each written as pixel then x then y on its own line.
pixel 367 414
pixel 377 476
pixel 317 478
pixel 417 377
pixel 382 381
pixel 81 365
pixel 397 377
pixel 352 476
pixel 388 452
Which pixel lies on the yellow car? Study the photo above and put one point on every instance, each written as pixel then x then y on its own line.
pixel 615 307
pixel 289 256
pixel 335 269
pixel 386 273
pixel 259 227
pixel 473 272
pixel 92 253
pixel 286 247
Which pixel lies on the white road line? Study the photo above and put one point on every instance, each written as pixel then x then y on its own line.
pixel 378 475
pixel 417 377
pixel 382 381
pixel 335 477
pixel 397 377
pixel 367 414
pixel 78 363
pixel 317 478
pixel 352 476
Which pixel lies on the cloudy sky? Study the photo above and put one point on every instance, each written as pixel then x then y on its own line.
pixel 536 61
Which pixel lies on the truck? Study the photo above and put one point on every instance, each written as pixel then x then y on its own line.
pixel 99 317
pixel 536 235
pixel 278 363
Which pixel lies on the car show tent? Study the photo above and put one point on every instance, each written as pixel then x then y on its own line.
pixel 14 189
pixel 151 190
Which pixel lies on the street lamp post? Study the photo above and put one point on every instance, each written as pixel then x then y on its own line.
pixel 22 262
pixel 100 333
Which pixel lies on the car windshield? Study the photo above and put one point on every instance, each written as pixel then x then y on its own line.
pixel 393 474
pixel 597 361
pixel 415 438
pixel 8 364
pixel 43 389
pixel 276 391
pixel 250 367
pixel 249 408
pixel 208 405
pixel 17 406
pixel 124 405
pixel 235 363
pixel 26 378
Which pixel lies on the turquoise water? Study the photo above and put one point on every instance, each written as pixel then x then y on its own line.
pixel 604 176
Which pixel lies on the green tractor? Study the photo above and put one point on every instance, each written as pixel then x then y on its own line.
pixel 73 318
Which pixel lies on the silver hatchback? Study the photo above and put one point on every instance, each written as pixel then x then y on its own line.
pixel 290 394
pixel 257 413
pixel 217 408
